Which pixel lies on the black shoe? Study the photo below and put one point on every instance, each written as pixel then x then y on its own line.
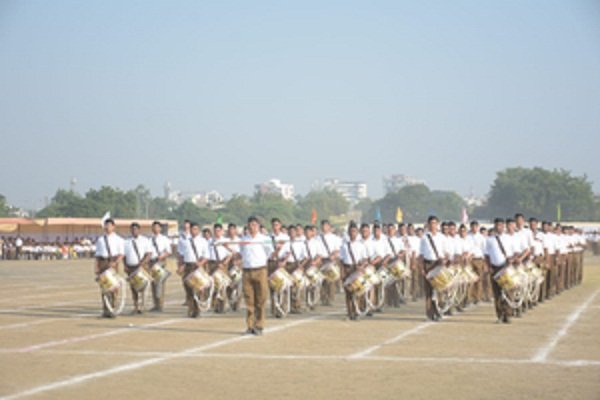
pixel 249 331
pixel 506 319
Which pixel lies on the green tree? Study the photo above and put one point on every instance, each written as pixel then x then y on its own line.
pixel 327 203
pixel 537 192
pixel 417 202
pixel 190 211
pixel 4 207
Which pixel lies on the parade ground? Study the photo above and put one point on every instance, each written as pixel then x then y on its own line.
pixel 54 345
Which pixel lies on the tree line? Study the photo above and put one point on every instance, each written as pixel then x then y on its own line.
pixel 545 194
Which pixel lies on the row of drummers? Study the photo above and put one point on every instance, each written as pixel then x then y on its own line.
pixel 377 264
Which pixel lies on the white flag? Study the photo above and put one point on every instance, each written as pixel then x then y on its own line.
pixel 104 218
pixel 465 216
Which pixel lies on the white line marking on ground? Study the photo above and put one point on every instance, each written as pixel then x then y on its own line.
pixel 393 340
pixel 542 354
pixel 257 356
pixel 151 361
pixel 77 339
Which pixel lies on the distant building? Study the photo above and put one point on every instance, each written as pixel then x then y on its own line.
pixel 352 191
pixel 211 199
pixel 286 190
pixel 393 183
pixel 474 201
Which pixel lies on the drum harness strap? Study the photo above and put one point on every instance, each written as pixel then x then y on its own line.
pixel 194 248
pixel 351 254
pixel 502 248
pixel 308 250
pixel 437 255
pixel 137 252
pixel 326 245
pixel 156 247
pixel 107 247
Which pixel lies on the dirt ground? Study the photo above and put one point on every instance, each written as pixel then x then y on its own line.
pixel 54 345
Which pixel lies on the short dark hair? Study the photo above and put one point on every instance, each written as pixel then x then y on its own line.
pixel 432 218
pixel 474 223
pixel 231 225
pixel 363 226
pixel 325 222
pixel 273 220
pixel 193 224
pixel 532 219
pixel 253 219
pixel 134 225
pixel 510 220
pixel 498 220
pixel 217 226
pixel 519 215
pixel 156 223
pixel 109 221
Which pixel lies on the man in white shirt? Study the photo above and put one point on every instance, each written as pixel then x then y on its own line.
pixel 278 240
pixel 109 252
pixel 561 258
pixel 537 254
pixel 379 256
pixel 255 252
pixel 412 244
pixel 354 257
pixel 479 289
pixel 195 255
pixel 500 253
pixel 398 252
pixel 433 253
pixel 160 246
pixel 293 257
pixel 550 247
pixel 182 243
pixel 332 244
pixel 137 255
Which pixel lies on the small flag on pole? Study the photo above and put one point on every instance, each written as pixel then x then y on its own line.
pixel 104 218
pixel 464 216
pixel 378 214
pixel 558 212
pixel 399 215
pixel 219 218
pixel 313 216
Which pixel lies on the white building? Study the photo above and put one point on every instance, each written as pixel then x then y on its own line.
pixel 352 191
pixel 211 199
pixel 395 182
pixel 286 190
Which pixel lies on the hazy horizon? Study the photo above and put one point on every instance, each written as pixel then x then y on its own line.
pixel 224 95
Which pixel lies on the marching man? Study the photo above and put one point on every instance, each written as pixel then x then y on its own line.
pixel 161 249
pixel 137 255
pixel 109 252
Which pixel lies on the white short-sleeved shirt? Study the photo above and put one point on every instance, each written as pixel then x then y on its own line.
pixel 159 244
pixel 293 251
pixel 234 247
pixel 216 248
pixel 538 243
pixel 563 243
pixel 356 249
pixel 182 242
pixel 115 243
pixel 275 239
pixel 494 251
pixel 428 253
pixel 334 242
pixel 133 257
pixel 477 244
pixel 414 244
pixel 380 248
pixel 550 242
pixel 196 248
pixel 396 245
pixel 315 248
pixel 256 253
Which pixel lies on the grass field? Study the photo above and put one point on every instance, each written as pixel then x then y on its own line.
pixel 54 345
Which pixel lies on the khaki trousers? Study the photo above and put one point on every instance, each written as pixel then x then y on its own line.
pixel 502 308
pixel 103 266
pixel 256 292
pixel 430 309
pixel 476 291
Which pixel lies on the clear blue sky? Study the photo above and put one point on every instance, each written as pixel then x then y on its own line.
pixel 225 94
